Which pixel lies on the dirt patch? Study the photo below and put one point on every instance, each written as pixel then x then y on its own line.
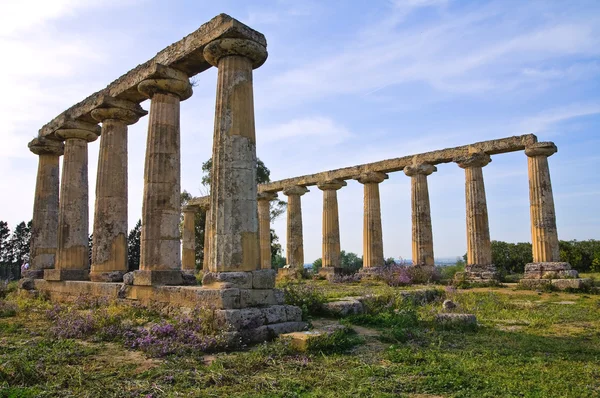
pixel 113 355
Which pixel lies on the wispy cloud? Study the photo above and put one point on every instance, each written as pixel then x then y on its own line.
pixel 542 121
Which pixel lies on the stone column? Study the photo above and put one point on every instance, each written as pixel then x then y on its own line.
pixel 160 253
pixel 44 223
pixel 479 248
pixel 372 232
pixel 544 237
pixel 264 227
pixel 234 208
pixel 109 249
pixel 207 235
pixel 72 256
pixel 295 243
pixel 188 257
pixel 422 235
pixel 331 226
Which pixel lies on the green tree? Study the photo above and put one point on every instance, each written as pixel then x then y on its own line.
pixel 133 247
pixel 5 255
pixel 350 261
pixel 317 264
pixel 19 243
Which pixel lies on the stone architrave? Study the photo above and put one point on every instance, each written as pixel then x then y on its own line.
pixel 544 235
pixel 44 223
pixel 109 249
pixel 331 226
pixel 479 248
pixel 372 231
pixel 188 255
pixel 234 208
pixel 295 240
pixel 72 256
pixel 422 234
pixel 264 227
pixel 160 252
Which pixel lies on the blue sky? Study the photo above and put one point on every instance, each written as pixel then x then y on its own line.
pixel 346 82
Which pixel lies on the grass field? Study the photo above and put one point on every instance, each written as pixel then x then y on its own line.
pixel 527 344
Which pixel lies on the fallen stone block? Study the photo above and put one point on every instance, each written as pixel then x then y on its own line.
pixel 345 307
pixel 564 284
pixel 301 341
pixel 456 319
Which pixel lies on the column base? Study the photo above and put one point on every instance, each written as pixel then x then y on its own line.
pixel 157 277
pixel 330 272
pixel 66 274
pixel 110 276
pixel 478 273
pixel 259 279
pixel 549 270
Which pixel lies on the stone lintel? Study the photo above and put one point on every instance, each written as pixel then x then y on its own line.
pixel 190 208
pixel 202 202
pixel 186 56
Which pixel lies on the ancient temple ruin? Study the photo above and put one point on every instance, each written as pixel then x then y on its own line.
pixel 238 282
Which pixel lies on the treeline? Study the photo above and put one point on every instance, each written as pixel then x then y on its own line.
pixel 584 256
pixel 14 248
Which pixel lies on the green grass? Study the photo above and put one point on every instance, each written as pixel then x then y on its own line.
pixel 527 345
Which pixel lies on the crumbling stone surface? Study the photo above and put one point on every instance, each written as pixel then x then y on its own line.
pixel 223 280
pixel 263 279
pixel 301 340
pixel 448 304
pixel 456 319
pixel 344 307
pixel 26 284
pixel 128 278
pixel 564 284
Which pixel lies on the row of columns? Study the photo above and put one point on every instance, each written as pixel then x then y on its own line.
pixel 59 246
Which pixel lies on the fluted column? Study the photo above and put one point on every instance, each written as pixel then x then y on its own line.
pixel 207 235
pixel 422 234
pixel 109 249
pixel 72 256
pixel 295 241
pixel 331 226
pixel 188 257
pixel 479 247
pixel 372 231
pixel 44 223
pixel 160 253
pixel 234 214
pixel 264 227
pixel 544 235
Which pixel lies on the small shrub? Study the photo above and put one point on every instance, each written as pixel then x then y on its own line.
pixel 351 278
pixel 394 275
pixel 69 323
pixel 447 272
pixel 308 298
pixel 7 309
pixel 423 274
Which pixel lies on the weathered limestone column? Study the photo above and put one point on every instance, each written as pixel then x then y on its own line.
pixel 234 208
pixel 372 231
pixel 44 223
pixel 295 240
pixel 422 235
pixel 264 227
pixel 207 235
pixel 109 249
pixel 160 253
pixel 188 257
pixel 544 237
pixel 72 257
pixel 331 226
pixel 479 248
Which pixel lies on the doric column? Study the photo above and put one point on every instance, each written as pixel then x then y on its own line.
pixel 160 253
pixel 109 249
pixel 234 215
pixel 188 257
pixel 372 232
pixel 264 227
pixel 72 257
pixel 44 223
pixel 207 235
pixel 479 247
pixel 331 225
pixel 295 242
pixel 544 236
pixel 422 235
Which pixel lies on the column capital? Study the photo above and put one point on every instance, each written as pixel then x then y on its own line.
pixel 80 130
pixel 189 208
pixel 268 196
pixel 419 168
pixel 541 149
pixel 331 185
pixel 475 159
pixel 170 81
pixel 217 49
pixel 117 109
pixel 372 177
pixel 45 146
pixel 295 190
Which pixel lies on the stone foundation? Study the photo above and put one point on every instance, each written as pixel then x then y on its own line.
pixel 479 273
pixel 558 275
pixel 66 274
pixel 254 315
pixel 157 277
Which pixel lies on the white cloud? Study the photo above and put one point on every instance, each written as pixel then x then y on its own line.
pixel 542 121
pixel 323 128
